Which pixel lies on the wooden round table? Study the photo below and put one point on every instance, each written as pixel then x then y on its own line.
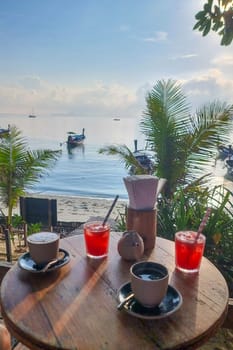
pixel 75 307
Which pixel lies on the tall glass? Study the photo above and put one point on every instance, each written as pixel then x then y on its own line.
pixel 96 239
pixel 189 250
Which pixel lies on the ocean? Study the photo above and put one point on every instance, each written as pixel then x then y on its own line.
pixel 83 172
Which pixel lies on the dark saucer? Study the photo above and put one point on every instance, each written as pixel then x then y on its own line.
pixel 26 262
pixel 171 303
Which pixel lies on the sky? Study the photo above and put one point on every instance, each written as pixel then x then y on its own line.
pixel 100 58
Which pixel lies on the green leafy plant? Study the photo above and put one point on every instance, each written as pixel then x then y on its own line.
pixel 217 15
pixel 121 221
pixel 21 168
pixel 185 211
pixel 185 146
pixel 17 221
pixel 33 228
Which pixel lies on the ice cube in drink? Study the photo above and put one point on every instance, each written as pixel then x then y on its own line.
pixel 188 250
pixel 96 239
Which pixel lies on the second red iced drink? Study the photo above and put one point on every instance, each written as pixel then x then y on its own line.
pixel 189 250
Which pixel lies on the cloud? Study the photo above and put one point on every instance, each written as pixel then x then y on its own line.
pixel 98 99
pixel 205 87
pixel 158 36
pixel 226 60
pixel 184 57
pixel 30 82
pixel 101 99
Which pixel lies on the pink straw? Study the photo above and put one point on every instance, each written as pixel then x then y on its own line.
pixel 203 223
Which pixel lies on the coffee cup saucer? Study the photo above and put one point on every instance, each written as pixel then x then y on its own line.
pixel 25 262
pixel 171 303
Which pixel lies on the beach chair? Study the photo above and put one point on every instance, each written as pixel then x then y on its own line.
pixel 39 210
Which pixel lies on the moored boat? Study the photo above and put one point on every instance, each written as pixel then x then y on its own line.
pixel 229 166
pixel 225 151
pixel 144 158
pixel 75 139
pixel 4 132
pixel 32 114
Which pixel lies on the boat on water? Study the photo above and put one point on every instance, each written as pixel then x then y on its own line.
pixel 229 166
pixel 32 114
pixel 225 151
pixel 4 132
pixel 75 139
pixel 145 158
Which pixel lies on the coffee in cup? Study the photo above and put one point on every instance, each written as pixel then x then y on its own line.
pixel 43 246
pixel 149 282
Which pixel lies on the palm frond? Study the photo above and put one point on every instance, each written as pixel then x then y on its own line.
pixel 20 167
pixel 125 155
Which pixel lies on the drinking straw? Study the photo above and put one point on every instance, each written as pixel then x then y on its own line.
pixel 110 210
pixel 203 223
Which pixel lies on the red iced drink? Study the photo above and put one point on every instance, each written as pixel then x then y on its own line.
pixel 96 239
pixel 189 250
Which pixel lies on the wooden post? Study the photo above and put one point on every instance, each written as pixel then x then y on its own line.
pixel 8 245
pixel 25 231
pixel 50 214
pixel 22 207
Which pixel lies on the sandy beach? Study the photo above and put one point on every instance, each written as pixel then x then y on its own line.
pixel 80 209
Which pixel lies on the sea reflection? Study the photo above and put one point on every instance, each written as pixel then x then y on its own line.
pixel 73 150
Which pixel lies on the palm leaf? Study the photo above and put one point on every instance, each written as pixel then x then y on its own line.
pixel 125 155
pixel 20 167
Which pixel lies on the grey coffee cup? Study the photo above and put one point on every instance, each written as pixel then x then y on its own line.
pixel 149 282
pixel 43 246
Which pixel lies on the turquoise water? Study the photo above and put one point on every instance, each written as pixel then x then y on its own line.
pixel 84 172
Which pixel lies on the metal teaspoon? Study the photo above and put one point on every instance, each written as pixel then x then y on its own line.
pixel 123 302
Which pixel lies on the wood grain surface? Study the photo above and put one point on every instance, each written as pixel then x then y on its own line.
pixel 75 307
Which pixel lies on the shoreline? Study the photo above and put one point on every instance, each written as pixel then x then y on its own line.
pixel 79 209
